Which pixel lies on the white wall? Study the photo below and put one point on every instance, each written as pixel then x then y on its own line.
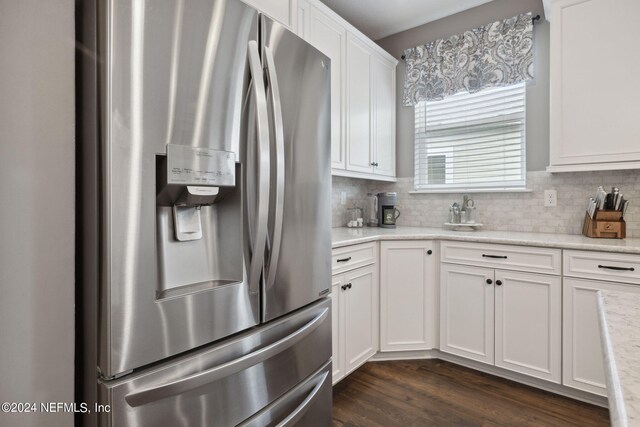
pixel 37 174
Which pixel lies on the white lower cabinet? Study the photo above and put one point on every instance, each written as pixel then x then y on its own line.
pixel 466 312
pixel 528 323
pixel 408 307
pixel 583 366
pixel 354 302
pixel 504 318
pixel 337 320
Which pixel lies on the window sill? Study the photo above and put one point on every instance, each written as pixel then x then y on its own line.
pixel 472 190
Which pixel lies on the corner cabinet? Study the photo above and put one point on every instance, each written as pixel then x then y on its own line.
pixel 363 98
pixel 408 306
pixel 594 98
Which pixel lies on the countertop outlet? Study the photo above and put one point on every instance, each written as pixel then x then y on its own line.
pixel 550 198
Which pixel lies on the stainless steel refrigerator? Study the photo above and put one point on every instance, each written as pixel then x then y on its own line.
pixel 205 216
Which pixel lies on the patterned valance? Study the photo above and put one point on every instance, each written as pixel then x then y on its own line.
pixel 498 54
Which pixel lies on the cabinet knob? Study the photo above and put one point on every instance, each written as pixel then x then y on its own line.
pixel 345 287
pixel 489 281
pixel 429 252
pixel 499 282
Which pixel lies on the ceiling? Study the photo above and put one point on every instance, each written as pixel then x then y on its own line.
pixel 381 18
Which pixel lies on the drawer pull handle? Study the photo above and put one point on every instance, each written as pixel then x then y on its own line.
pixel 494 256
pixel 344 259
pixel 345 287
pixel 611 267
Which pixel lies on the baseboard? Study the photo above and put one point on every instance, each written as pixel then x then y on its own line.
pixel 404 355
pixel 494 370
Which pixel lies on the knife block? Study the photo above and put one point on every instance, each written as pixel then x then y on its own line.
pixel 605 225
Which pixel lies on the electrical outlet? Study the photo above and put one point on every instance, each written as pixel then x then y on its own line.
pixel 550 198
pixel 343 198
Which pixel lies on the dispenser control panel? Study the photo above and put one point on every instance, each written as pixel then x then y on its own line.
pixel 200 166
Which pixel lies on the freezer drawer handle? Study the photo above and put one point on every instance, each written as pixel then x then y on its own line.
pixel 297 413
pixel 611 267
pixel 494 256
pixel 343 259
pixel 216 373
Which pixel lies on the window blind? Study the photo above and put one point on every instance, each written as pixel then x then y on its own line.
pixel 471 141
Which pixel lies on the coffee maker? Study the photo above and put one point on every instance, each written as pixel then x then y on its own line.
pixel 387 211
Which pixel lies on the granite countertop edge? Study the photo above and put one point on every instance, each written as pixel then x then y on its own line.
pixel 343 236
pixel 618 320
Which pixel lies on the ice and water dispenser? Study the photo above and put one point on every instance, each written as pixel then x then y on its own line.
pixel 198 220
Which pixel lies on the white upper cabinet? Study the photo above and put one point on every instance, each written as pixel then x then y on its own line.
pixel 359 152
pixel 594 95
pixel 329 37
pixel 283 11
pixel 383 76
pixel 363 98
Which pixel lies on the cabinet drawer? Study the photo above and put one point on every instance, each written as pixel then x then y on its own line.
pixel 521 258
pixel 602 266
pixel 350 257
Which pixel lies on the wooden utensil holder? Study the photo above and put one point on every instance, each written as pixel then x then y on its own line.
pixel 605 225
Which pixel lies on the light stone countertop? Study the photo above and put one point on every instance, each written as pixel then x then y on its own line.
pixel 344 236
pixel 619 315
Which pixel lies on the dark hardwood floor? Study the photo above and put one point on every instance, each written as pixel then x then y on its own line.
pixel 438 393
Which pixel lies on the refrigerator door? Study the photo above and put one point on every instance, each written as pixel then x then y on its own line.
pixel 298 260
pixel 174 74
pixel 229 383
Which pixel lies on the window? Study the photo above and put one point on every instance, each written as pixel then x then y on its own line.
pixel 471 141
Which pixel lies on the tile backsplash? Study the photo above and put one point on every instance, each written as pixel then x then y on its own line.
pixel 502 211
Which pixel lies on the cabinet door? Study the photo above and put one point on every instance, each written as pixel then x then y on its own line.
pixel 594 129
pixel 280 10
pixel 467 312
pixel 303 21
pixel 582 363
pixel 360 316
pixel 329 37
pixel 359 147
pixel 384 116
pixel 407 295
pixel 337 328
pixel 528 323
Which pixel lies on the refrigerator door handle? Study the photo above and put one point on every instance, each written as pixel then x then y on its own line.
pixel 216 373
pixel 280 171
pixel 299 412
pixel 263 166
